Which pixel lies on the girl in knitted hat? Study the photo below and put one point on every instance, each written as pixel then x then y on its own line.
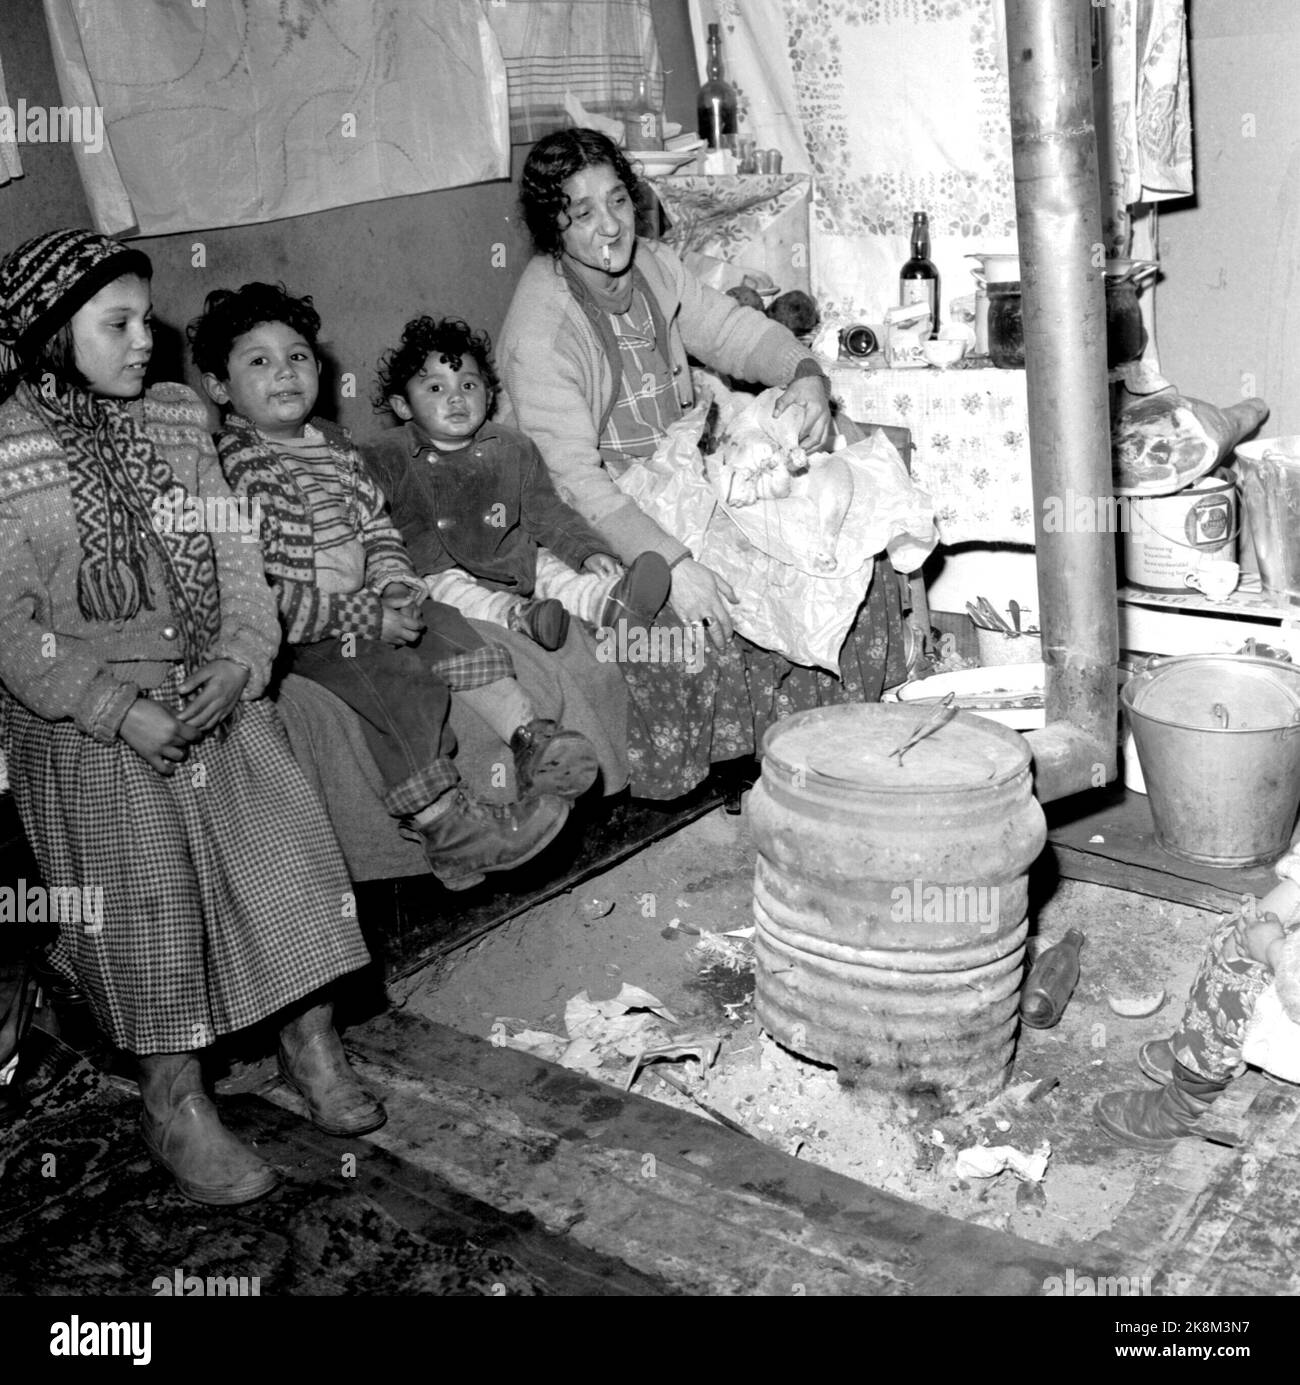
pixel 145 763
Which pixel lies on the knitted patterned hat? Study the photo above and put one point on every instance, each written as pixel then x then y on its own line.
pixel 45 281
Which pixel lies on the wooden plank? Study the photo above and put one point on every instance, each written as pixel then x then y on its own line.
pixel 1127 856
pixel 1216 1220
pixel 667 1191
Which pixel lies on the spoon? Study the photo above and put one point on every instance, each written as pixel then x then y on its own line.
pixel 941 716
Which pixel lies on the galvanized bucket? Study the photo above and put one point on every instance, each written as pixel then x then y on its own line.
pixel 1219 740
pixel 890 900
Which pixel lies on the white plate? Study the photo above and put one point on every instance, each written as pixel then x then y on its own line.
pixel 652 163
pixel 987 685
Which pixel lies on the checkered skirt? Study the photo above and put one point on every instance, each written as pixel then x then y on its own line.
pixel 224 895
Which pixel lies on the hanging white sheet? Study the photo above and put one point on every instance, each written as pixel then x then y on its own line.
pixel 239 111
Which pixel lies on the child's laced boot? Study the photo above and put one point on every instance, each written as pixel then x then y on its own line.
pixel 467 838
pixel 1158 1119
pixel 549 760
pixel 312 1061
pixel 184 1134
pixel 640 593
pixel 544 622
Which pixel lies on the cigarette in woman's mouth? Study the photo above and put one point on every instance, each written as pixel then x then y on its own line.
pixel 604 255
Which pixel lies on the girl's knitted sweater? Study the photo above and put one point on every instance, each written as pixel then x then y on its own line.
pixel 54 660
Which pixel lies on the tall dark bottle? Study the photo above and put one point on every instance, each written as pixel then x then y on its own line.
pixel 1051 982
pixel 918 280
pixel 715 106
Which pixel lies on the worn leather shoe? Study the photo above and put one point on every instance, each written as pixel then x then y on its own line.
pixel 546 623
pixel 1159 1119
pixel 318 1069
pixel 640 593
pixel 184 1134
pixel 549 760
pixel 473 838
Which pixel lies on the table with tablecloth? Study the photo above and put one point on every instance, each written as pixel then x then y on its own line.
pixel 970 439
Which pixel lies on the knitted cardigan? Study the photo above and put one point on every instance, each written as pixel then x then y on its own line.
pixel 53 660
pixel 307 613
pixel 558 383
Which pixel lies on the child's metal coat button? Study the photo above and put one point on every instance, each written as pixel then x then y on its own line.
pixel 169 632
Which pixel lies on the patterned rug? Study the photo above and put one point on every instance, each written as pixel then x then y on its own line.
pixel 84 1211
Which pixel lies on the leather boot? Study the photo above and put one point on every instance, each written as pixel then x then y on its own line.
pixel 544 622
pixel 640 593
pixel 1159 1119
pixel 472 838
pixel 549 760
pixel 184 1134
pixel 313 1062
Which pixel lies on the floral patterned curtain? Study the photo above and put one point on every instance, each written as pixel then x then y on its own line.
pixel 902 105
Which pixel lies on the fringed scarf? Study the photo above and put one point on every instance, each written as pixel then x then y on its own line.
pixel 118 478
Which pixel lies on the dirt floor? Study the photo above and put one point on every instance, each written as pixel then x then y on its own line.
pixel 660 921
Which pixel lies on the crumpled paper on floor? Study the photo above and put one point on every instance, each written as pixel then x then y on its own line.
pixel 987 1161
pixel 625 1025
pixel 768 551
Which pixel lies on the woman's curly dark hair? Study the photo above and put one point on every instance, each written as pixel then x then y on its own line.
pixel 229 313
pixel 450 338
pixel 555 159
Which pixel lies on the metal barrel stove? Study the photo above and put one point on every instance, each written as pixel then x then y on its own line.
pixel 890 898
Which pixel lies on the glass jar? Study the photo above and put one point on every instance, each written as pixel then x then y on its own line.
pixel 1006 327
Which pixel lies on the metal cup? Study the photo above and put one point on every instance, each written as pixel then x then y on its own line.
pixel 769 161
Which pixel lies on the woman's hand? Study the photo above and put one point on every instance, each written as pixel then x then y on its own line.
pixel 603 565
pixel 218 685
pixel 809 393
pixel 700 596
pixel 157 737
pixel 403 623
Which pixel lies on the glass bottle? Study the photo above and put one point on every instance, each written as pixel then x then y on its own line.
pixel 643 123
pixel 715 106
pixel 918 280
pixel 1051 982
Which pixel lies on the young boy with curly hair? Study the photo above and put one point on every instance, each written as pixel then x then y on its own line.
pixel 355 616
pixel 476 504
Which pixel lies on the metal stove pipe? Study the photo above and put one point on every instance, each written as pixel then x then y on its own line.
pixel 1062 262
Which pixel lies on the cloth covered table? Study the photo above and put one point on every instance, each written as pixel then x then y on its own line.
pixel 970 441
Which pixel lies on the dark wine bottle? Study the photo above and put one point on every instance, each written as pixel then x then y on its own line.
pixel 715 106
pixel 1051 982
pixel 918 280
